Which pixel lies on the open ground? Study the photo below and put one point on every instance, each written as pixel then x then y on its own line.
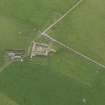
pixel 64 78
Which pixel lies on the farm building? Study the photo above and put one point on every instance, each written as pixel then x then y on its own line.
pixel 41 49
pixel 17 55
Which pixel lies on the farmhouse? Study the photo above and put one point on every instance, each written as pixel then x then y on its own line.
pixel 41 49
pixel 16 55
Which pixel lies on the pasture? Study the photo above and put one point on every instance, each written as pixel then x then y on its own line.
pixel 64 78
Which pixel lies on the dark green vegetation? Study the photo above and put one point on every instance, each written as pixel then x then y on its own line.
pixel 61 79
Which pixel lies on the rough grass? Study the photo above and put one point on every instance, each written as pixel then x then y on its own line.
pixel 84 30
pixel 61 79
pixel 30 84
pixel 5 100
pixel 28 17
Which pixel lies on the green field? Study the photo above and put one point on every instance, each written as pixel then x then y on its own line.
pixel 63 78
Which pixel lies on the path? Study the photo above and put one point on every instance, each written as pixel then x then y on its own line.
pixel 62 44
pixel 5 66
pixel 76 52
pixel 62 17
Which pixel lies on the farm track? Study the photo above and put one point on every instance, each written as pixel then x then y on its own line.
pixel 75 51
pixel 62 17
pixel 5 66
pixel 44 33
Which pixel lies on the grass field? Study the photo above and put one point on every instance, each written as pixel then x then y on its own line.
pixel 63 78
